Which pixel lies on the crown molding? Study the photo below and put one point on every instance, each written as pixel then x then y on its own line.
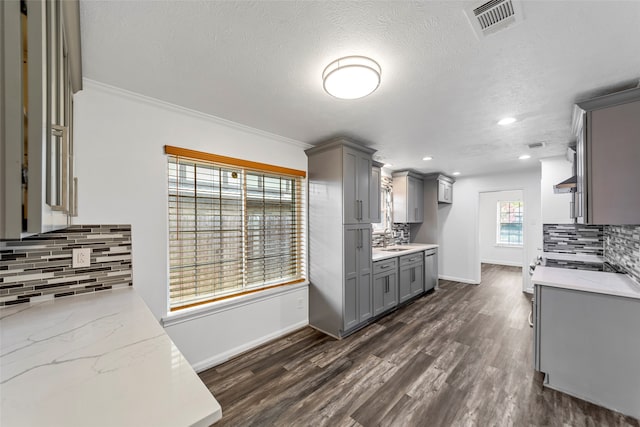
pixel 134 96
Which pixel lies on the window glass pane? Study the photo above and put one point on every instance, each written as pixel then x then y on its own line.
pixel 230 230
pixel 510 223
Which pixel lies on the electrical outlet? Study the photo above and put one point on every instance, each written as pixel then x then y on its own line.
pixel 81 257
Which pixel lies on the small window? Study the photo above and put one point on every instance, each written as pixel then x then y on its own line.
pixel 509 227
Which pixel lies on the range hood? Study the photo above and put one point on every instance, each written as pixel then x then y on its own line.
pixel 569 185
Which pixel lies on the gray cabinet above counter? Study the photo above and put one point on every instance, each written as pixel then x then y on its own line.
pixel 408 197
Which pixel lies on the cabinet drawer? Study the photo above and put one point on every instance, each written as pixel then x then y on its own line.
pixel 385 265
pixel 412 258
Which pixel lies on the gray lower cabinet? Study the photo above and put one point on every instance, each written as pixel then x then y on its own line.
pixel 411 282
pixel 357 281
pixel 430 269
pixel 385 285
pixel 588 345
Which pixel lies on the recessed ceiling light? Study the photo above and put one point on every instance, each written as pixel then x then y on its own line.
pixel 456 173
pixel 351 77
pixel 387 165
pixel 524 157
pixel 427 158
pixel 506 121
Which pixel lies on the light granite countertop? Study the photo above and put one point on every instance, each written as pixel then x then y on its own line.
pixel 380 253
pixel 96 360
pixel 588 281
pixel 595 259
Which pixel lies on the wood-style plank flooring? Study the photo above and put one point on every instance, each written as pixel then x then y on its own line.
pixel 459 356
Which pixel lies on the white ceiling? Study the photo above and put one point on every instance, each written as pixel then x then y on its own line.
pixel 259 63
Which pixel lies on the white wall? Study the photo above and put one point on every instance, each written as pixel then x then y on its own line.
pixel 458 225
pixel 122 173
pixel 555 207
pixel 490 251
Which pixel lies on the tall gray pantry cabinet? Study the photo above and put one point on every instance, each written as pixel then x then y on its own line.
pixel 340 291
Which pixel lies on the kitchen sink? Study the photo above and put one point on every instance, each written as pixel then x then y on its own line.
pixel 396 249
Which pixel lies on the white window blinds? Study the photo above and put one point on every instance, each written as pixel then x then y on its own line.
pixel 232 229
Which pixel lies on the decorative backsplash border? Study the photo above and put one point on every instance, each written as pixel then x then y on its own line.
pixel 622 247
pixel 573 239
pixel 39 267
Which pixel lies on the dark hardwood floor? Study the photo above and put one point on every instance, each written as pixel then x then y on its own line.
pixel 459 356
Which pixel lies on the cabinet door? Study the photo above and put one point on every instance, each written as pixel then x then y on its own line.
pixel 391 295
pixel 379 292
pixel 411 200
pixel 350 298
pixel 404 285
pixel 375 201
pixel 417 279
pixel 365 302
pixel 418 199
pixel 364 187
pixel 351 203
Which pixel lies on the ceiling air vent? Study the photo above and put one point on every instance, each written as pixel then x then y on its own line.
pixel 536 145
pixel 493 16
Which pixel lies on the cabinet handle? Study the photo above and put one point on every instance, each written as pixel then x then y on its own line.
pixel 62 204
pixel 413 274
pixel 416 213
pixel 385 266
pixel 386 285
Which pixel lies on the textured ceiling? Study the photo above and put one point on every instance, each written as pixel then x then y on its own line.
pixel 442 91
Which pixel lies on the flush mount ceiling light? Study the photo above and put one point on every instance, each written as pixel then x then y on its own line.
pixel 507 121
pixel 387 165
pixel 524 157
pixel 351 77
pixel 427 158
pixel 456 173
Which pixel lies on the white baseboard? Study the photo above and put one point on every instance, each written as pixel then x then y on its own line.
pixel 459 279
pixel 507 263
pixel 229 354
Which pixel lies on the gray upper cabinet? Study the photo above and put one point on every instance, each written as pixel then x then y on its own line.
pixel 445 189
pixel 357 185
pixel 408 197
pixel 608 152
pixel 42 69
pixel 375 201
pixel 340 276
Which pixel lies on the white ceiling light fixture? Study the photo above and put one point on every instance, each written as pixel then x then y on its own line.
pixel 456 173
pixel 387 165
pixel 507 121
pixel 524 157
pixel 427 158
pixel 351 77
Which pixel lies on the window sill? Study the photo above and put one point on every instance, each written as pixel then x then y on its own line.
pixel 506 245
pixel 205 310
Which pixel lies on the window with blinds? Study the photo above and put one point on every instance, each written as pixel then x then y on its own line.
pixel 234 227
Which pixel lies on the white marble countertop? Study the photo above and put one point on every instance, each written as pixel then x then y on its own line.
pixel 596 259
pixel 588 281
pixel 381 253
pixel 99 359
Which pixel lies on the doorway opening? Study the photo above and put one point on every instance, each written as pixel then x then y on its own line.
pixel 501 234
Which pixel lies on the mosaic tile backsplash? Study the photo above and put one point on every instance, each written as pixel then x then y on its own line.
pixel 399 235
pixel 622 247
pixel 39 267
pixel 573 239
